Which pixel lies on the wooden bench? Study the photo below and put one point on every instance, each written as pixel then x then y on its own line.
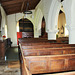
pixel 55 53
pixel 59 40
pixel 23 46
pixel 43 57
pixel 48 51
pixel 23 40
pixel 62 40
pixel 49 64
pixel 4 45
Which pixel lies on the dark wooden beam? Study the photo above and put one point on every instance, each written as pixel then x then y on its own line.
pixel 4 1
pixel 13 11
pixel 22 7
pixel 12 6
pixel 11 2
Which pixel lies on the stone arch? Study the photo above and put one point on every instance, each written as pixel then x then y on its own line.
pixel 53 18
pixel 63 32
pixel 43 28
pixel 28 24
pixel 26 18
pixel 38 20
pixel 17 23
pixel 70 19
pixel 53 14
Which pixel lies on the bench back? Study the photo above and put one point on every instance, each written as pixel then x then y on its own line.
pixel 49 64
pixel 48 51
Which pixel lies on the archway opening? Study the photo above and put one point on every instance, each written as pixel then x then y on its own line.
pixel 25 25
pixel 25 29
pixel 63 32
pixel 43 30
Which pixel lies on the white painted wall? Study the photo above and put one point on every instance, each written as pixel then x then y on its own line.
pixel 12 32
pixel 3 22
pixel 70 19
pixel 37 20
pixel 12 21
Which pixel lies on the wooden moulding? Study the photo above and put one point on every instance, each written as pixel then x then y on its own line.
pixel 46 46
pixel 49 64
pixel 48 51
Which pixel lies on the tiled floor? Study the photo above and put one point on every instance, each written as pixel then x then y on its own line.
pixel 11 66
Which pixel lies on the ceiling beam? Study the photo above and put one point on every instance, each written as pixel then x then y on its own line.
pixel 11 2
pixel 12 6
pixel 17 11
pixel 5 0
pixel 12 11
pixel 22 7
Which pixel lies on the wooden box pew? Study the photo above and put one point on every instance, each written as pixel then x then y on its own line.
pixel 43 48
pixel 26 39
pixel 31 39
pixel 48 51
pixel 38 54
pixel 49 64
pixel 63 40
pixel 36 40
pixel 29 42
pixel 46 46
pixel 39 43
pixel 59 40
pixel 22 46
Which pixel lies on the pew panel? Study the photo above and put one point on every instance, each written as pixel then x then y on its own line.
pixel 49 64
pixel 48 51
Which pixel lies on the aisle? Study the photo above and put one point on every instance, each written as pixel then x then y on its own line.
pixel 12 54
pixel 10 68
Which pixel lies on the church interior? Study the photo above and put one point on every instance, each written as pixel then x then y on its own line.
pixel 37 37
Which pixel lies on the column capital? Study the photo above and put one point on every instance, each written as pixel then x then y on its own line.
pixel 70 27
pixel 53 31
pixel 52 34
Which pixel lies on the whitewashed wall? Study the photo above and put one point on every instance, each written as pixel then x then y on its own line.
pixel 3 22
pixel 12 32
pixel 12 25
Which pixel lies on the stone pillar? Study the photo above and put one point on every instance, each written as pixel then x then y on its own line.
pixel 52 35
pixel 71 30
pixel 36 33
pixel 72 36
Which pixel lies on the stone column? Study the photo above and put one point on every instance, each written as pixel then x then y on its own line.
pixel 36 33
pixel 52 34
pixel 71 30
